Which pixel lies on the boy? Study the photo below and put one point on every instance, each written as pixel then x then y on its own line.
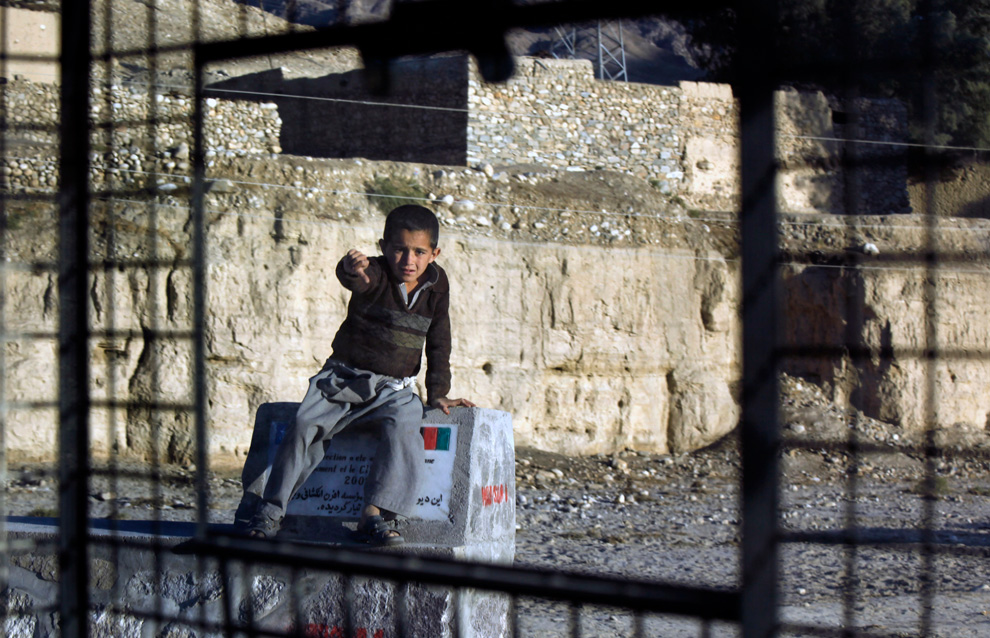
pixel 398 306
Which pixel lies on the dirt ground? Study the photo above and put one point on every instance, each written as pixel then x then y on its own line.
pixel 921 560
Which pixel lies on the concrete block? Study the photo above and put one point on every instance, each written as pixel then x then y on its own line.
pixel 467 508
pixel 192 598
pixel 467 511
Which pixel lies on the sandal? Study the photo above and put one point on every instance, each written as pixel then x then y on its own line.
pixel 263 527
pixel 376 531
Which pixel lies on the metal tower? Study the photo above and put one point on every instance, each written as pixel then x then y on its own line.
pixel 601 43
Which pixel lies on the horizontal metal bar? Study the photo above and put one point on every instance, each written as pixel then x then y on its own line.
pixel 580 588
pixel 223 628
pixel 833 351
pixel 10 196
pixel 854 260
pixel 160 406
pixel 802 630
pixel 136 122
pixel 99 334
pixel 38 267
pixel 951 542
pixel 868 447
pixel 7 56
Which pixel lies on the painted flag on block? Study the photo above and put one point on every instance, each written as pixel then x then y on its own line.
pixel 436 438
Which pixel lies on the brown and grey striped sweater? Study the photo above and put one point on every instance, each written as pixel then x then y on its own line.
pixel 383 335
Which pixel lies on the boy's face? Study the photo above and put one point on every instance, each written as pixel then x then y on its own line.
pixel 409 253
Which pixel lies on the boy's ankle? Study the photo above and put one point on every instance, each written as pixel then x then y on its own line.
pixel 370 510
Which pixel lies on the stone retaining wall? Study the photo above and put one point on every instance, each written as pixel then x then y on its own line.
pixel 683 139
pixel 134 132
pixel 553 112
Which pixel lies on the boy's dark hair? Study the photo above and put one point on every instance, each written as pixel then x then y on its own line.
pixel 412 218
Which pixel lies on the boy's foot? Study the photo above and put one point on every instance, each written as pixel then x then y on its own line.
pixel 376 531
pixel 263 527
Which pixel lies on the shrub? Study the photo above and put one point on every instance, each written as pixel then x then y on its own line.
pixel 390 191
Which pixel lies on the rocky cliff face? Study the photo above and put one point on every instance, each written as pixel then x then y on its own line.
pixel 597 331
pixel 903 342
pixel 594 346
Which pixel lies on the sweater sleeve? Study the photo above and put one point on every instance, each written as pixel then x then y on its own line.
pixel 438 351
pixel 354 283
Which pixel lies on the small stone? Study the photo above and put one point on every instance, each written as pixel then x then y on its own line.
pixel 462 206
pixel 221 186
pixel 181 151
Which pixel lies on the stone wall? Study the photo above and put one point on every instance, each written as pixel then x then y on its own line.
pixel 683 139
pixel 136 124
pixel 421 119
pixel 555 113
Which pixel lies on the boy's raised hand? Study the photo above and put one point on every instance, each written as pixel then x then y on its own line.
pixel 355 263
pixel 443 403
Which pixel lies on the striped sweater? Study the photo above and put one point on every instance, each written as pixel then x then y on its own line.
pixel 383 335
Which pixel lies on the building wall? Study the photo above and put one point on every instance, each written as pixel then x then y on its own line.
pixel 30 34
pixel 421 119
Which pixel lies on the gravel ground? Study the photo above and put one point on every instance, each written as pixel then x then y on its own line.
pixel 675 519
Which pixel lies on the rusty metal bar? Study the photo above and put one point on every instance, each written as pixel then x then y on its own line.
pixel 760 435
pixel 73 352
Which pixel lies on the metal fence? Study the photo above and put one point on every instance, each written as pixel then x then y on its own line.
pixel 92 248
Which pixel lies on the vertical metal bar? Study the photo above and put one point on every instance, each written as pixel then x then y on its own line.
pixel 73 330
pixel 402 609
pixel 758 227
pixel 638 624
pixel 457 627
pixel 199 302
pixel 295 600
pixel 228 591
pixel 348 604
pixel 4 553
pixel 624 75
pixel 514 616
pixel 929 121
pixel 855 295
pixel 601 61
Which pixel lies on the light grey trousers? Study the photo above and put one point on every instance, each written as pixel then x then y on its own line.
pixel 338 397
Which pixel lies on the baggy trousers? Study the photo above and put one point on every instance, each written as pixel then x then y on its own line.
pixel 338 397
